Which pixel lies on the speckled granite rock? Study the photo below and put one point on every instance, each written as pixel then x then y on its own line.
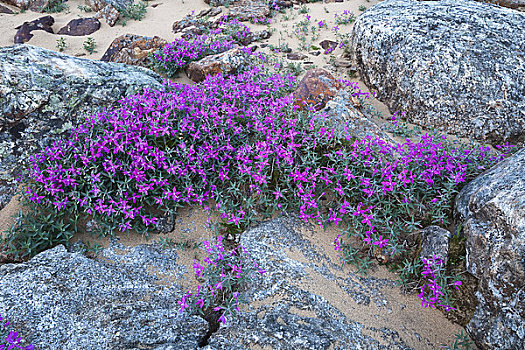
pixel 126 299
pixel 109 14
pixel 491 209
pixel 435 241
pixel 226 63
pixel 306 301
pixel 456 65
pixel 43 92
pixel 340 109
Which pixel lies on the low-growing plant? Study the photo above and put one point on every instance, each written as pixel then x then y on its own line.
pixel 89 45
pixel 304 9
pixel 55 6
pixel 345 18
pixel 61 44
pixel 134 11
pixel 362 8
pixel 462 342
pixel 85 8
pixel 9 339
pixel 177 54
pixel 223 277
pixel 244 144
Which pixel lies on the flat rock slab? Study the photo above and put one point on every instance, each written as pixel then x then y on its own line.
pixel 124 300
pixel 491 210
pixel 456 66
pixel 306 300
pixel 42 90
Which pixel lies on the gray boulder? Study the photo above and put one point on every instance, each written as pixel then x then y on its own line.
pixel 62 300
pixel 454 65
pixel 305 300
pixel 491 210
pixel 341 110
pixel 43 94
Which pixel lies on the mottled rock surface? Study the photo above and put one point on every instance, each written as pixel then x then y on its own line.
pixel 249 10
pixel 435 242
pixel 80 27
pixel 491 210
pixel 23 34
pixel 43 92
pixel 225 63
pixel 98 5
pixel 341 110
pixel 306 301
pixel 132 49
pixel 315 89
pixel 126 299
pixel 109 14
pixel 458 66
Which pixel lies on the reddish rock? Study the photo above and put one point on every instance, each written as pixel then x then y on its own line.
pixel 109 14
pixel 80 27
pixel 226 63
pixel 23 34
pixel 132 49
pixel 316 88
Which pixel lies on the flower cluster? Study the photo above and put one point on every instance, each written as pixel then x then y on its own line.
pixel 225 274
pixel 10 340
pixel 431 295
pixel 347 17
pixel 175 55
pixel 240 142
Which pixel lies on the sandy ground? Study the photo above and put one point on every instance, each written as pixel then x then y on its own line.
pixel 191 222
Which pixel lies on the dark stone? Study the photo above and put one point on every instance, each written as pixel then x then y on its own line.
pixel 23 34
pixel 491 210
pixel 295 56
pixel 80 27
pixel 328 46
pixel 6 10
pixel 452 66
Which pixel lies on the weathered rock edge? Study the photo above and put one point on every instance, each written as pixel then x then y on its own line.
pixel 491 210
